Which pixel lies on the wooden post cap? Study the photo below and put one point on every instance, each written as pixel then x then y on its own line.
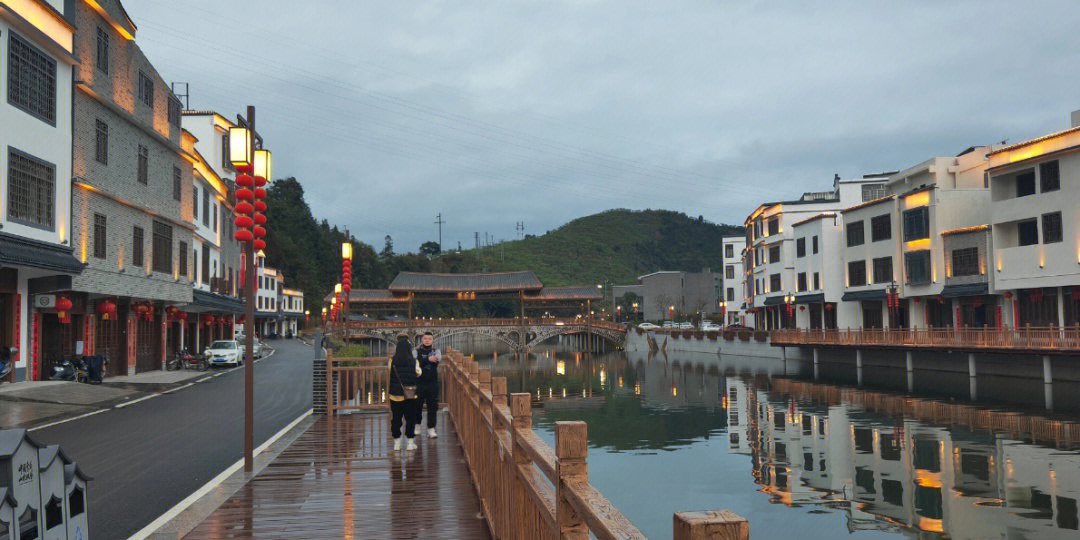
pixel 521 406
pixel 571 440
pixel 498 386
pixel 710 525
pixel 485 376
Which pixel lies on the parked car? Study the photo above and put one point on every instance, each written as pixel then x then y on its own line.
pixel 709 327
pixel 670 324
pixel 686 326
pixel 648 326
pixel 226 352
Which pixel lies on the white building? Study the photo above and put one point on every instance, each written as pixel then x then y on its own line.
pixel 818 284
pixel 291 310
pixel 36 65
pixel 1035 223
pixel 733 290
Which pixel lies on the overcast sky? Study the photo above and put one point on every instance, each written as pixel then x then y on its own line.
pixel 493 113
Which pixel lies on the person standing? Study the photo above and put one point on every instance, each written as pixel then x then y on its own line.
pixel 428 385
pixel 404 372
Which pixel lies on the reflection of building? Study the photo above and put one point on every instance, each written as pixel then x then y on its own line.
pixel 671 294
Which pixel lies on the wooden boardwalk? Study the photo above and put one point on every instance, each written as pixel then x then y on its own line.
pixel 342 480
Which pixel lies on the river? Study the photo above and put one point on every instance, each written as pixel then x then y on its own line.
pixel 801 459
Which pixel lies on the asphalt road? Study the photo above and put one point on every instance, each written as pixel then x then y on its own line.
pixel 148 456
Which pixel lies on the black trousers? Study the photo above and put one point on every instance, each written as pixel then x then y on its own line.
pixel 404 410
pixel 428 396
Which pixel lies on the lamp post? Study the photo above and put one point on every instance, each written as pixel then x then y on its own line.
pixel 337 302
pixel 789 303
pixel 635 305
pixel 346 282
pixel 723 311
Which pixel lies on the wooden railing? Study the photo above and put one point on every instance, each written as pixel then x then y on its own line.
pixel 529 490
pixel 529 321
pixel 356 383
pixel 1030 338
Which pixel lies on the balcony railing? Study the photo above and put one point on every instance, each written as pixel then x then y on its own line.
pixel 1031 338
pixel 221 286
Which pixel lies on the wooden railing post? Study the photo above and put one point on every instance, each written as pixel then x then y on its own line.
pixel 502 471
pixel 521 421
pixel 710 525
pixel 571 448
pixel 330 397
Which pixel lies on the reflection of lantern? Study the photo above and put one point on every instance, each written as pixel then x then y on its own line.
pixel 107 310
pixel 63 305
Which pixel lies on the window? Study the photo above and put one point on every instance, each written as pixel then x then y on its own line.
pixel 1051 226
pixel 856 271
pixel 881 228
pixel 144 165
pixel 28 528
pixel 76 502
pixel 814 247
pixel 195 265
pixel 918 266
pixel 205 263
pixel 54 513
pixel 217 210
pixel 873 191
pixel 855 233
pixel 883 270
pixel 916 223
pixel 146 90
pixel 102 50
pixel 101 143
pixel 774 253
pixel 1025 184
pixel 1049 176
pixel 206 207
pixel 774 283
pixel 729 272
pixel 774 226
pixel 99 236
pixel 174 111
pixel 137 247
pixel 730 294
pixel 162 247
pixel 195 202
pixel 1027 233
pixel 183 259
pixel 31 190
pixel 31 79
pixel 817 281
pixel 965 262
pixel 225 163
pixel 729 251
pixel 177 183
pixel 800 247
pixel 801 282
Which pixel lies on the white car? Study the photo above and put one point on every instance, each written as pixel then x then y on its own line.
pixel 226 352
pixel 647 326
pixel 670 324
pixel 710 327
pixel 686 326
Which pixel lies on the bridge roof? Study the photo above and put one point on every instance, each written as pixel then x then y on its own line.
pixel 416 282
pixel 375 296
pixel 584 292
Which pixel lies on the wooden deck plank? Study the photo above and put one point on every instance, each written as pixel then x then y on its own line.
pixel 341 479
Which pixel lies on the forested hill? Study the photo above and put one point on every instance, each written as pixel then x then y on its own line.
pixel 612 246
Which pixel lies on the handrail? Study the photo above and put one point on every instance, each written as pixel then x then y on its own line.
pixel 450 323
pixel 1028 337
pixel 534 490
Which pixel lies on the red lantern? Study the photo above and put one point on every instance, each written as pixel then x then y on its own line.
pixel 106 309
pixel 243 235
pixel 181 315
pixel 260 181
pixel 244 208
pixel 260 206
pixel 1007 295
pixel 802 308
pixel 242 319
pixel 347 263
pixel 918 300
pixel 245 180
pixel 260 219
pixel 244 194
pixel 260 232
pixel 259 244
pixel 260 193
pixel 243 222
pixel 208 319
pixel 828 307
pixel 346 287
pixel 941 299
pixel 63 305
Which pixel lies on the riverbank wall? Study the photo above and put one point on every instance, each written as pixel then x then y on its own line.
pixel 709 343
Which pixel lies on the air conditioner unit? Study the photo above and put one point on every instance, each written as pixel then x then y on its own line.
pixel 43 301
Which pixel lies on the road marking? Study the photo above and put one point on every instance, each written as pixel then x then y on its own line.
pixel 179 388
pixel 134 401
pixel 91 413
pixel 209 486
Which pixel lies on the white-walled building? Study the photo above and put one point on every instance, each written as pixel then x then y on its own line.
pixel 818 284
pixel 36 255
pixel 292 311
pixel 732 293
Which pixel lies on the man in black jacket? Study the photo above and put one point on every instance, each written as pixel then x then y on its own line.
pixel 427 386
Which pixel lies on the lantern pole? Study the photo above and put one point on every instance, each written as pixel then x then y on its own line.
pixel 249 330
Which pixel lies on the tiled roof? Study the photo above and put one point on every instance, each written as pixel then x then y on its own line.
pixel 497 282
pixel 375 295
pixel 19 251
pixel 868 203
pixel 812 218
pixel 584 292
pixel 962 230
pixel 1033 141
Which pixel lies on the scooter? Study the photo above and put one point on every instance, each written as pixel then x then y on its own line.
pixel 74 369
pixel 185 360
pixel 6 364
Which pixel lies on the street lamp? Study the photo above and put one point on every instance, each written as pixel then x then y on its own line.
pixel 346 280
pixel 789 302
pixel 261 164
pixel 723 311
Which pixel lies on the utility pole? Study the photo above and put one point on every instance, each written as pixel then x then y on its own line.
pixel 439 221
pixel 476 236
pixel 249 331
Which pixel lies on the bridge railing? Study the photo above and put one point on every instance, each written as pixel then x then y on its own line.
pixel 528 489
pixel 1027 338
pixel 528 321
pixel 356 383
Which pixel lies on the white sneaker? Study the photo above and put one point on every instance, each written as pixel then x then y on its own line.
pixel 411 445
pixel 397 444
pixel 431 433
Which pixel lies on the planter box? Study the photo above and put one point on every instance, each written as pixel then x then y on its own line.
pixel 712 336
pixel 744 336
pixel 760 337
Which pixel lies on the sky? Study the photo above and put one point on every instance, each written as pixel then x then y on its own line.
pixel 538 112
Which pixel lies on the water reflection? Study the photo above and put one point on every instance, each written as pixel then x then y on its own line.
pixel 802 459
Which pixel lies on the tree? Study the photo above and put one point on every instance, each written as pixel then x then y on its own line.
pixel 430 249
pixel 388 248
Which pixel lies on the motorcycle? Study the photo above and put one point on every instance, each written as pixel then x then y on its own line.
pixel 6 363
pixel 73 369
pixel 185 360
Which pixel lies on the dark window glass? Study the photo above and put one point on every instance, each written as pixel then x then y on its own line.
pixel 216 212
pixel 31 190
pixel 883 270
pixel 800 247
pixel 729 251
pixel 814 242
pixel 99 236
pixel 174 111
pixel 1051 224
pixel 225 163
pixel 205 263
pixel 102 50
pixel 916 223
pixel 729 272
pixel 965 262
pixel 1066 516
pixel 162 254
pixel 802 282
pixel 195 202
pixel 137 246
pixel 76 502
pixel 28 529
pixel 774 283
pixel 31 79
pixel 1027 233
pixel 892 492
pixel 774 226
pixel 101 142
pixel 881 228
pixel 1025 184
pixel 177 183
pixel 54 513
pixel 774 253
pixel 817 281
pixel 855 233
pixel 1049 176
pixel 206 207
pixel 856 273
pixel 730 294
pixel 146 90
pixel 928 502
pixel 183 259
pixel 918 266
pixel 144 165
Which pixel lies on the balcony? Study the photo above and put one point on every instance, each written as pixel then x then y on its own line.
pixel 221 286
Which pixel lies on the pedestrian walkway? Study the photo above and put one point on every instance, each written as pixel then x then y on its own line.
pixel 341 479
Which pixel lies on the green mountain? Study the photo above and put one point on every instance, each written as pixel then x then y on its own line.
pixel 612 246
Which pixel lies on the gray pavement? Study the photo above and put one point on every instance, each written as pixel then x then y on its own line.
pixel 148 456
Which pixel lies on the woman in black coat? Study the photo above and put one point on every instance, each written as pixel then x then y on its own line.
pixel 404 371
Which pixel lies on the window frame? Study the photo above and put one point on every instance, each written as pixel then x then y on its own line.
pixel 800 247
pixel 101 60
pixel 814 250
pixel 35 186
pixel 162 257
pixel 182 261
pixel 138 247
pixel 775 247
pixel 178 184
pixel 910 256
pixel 881 228
pixel 852 265
pixel 958 261
pixel 101 141
pixel 44 111
pixel 923 215
pixel 1034 223
pixel 777 280
pixel 1054 182
pixel 101 236
pixel 1027 175
pixel 853 240
pixel 885 262
pixel 143 167
pixel 1047 229
pixel 146 89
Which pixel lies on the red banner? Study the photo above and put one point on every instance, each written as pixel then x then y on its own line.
pixel 16 311
pixel 999 317
pixel 131 341
pixel 35 340
pixel 88 335
pixel 959 318
pixel 164 336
